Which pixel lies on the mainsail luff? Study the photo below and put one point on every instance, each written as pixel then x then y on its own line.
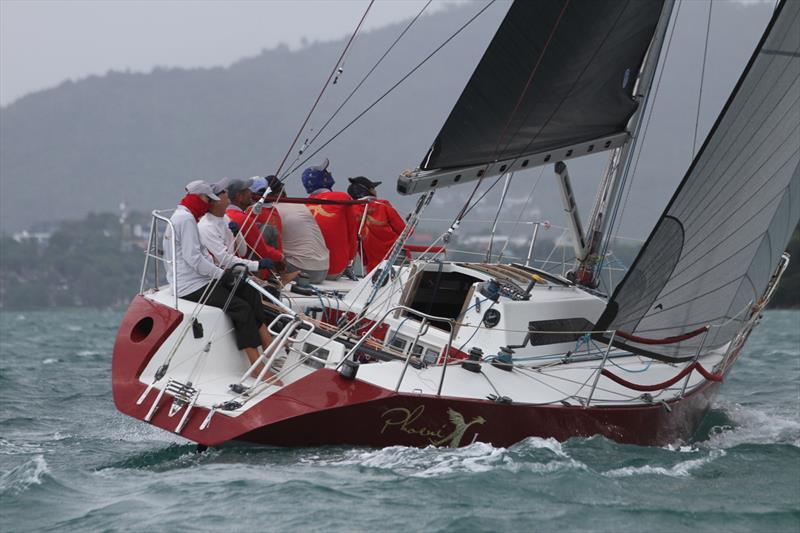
pixel 713 252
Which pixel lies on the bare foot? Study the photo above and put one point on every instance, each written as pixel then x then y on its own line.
pixel 269 376
pixel 286 277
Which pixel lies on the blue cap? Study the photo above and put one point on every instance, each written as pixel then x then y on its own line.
pixel 257 184
pixel 317 177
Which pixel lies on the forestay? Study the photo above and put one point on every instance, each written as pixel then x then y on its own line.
pixel 713 251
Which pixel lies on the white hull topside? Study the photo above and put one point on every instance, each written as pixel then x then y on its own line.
pixel 564 373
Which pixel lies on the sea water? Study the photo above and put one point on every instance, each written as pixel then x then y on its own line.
pixel 70 462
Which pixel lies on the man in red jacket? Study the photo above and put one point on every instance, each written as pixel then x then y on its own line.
pixel 337 222
pixel 268 220
pixel 241 199
pixel 382 225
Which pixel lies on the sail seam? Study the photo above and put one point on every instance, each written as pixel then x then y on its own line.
pixel 723 261
pixel 687 302
pixel 707 194
pixel 691 169
pixel 769 180
pixel 693 262
pixel 734 185
pixel 709 156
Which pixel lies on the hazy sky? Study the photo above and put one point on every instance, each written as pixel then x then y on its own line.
pixel 44 42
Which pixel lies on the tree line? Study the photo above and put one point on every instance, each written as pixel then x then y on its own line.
pixel 97 262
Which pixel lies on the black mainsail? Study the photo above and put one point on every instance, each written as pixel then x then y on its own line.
pixel 556 82
pixel 713 251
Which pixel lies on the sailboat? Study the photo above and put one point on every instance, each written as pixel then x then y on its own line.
pixel 446 353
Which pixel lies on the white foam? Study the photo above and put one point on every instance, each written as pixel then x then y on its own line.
pixel 475 458
pixel 87 353
pixel 753 426
pixel 50 361
pixel 18 448
pixel 682 469
pixel 74 328
pixel 537 443
pixel 680 448
pixel 23 476
pixel 130 430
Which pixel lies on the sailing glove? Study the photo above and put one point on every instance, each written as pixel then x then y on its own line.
pixel 234 227
pixel 266 263
pixel 230 276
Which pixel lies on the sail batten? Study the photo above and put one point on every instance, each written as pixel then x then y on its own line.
pixel 714 250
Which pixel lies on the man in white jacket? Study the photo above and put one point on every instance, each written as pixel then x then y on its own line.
pixel 197 272
pixel 217 237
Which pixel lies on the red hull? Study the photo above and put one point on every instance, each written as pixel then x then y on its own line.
pixel 324 408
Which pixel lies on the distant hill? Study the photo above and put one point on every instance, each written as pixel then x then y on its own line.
pixel 86 146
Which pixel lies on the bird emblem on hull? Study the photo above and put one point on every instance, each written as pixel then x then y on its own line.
pixel 405 420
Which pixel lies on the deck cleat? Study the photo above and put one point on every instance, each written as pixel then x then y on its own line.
pixel 231 405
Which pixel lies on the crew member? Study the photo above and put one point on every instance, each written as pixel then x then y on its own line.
pixel 241 198
pixel 268 219
pixel 196 273
pixel 217 237
pixel 303 244
pixel 337 223
pixel 382 225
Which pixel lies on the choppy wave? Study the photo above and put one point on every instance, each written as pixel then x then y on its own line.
pixel 752 426
pixel 8 447
pixel 65 449
pixel 21 477
pixel 682 469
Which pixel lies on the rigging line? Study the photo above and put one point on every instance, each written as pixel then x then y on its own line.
pixel 572 87
pixel 733 212
pixel 530 78
pixel 393 87
pixel 709 195
pixel 652 106
pixel 477 329
pixel 506 185
pixel 324 87
pixel 717 131
pixel 611 234
pixel 513 114
pixel 519 218
pixel 702 77
pixel 364 79
pixel 481 197
pixel 712 150
pixel 759 237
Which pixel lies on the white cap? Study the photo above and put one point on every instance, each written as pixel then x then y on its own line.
pixel 219 187
pixel 201 187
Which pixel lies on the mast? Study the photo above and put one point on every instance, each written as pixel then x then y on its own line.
pixel 710 258
pixel 610 190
